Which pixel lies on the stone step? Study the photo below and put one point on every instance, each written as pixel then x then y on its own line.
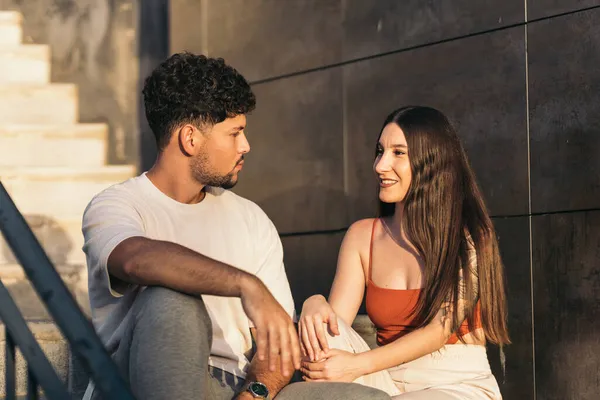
pixel 11 32
pixel 23 293
pixel 28 63
pixel 41 104
pixel 61 239
pixel 53 205
pixel 54 346
pixel 60 192
pixel 76 145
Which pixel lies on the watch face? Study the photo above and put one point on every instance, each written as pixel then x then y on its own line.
pixel 259 389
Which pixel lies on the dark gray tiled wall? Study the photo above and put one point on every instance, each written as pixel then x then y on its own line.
pixel 516 380
pixel 187 20
pixel 311 262
pixel 295 168
pixel 479 82
pixel 269 38
pixel 375 27
pixel 564 104
pixel 566 256
pixel 266 38
pixel 547 8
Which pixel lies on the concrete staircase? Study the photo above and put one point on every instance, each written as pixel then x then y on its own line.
pixel 51 166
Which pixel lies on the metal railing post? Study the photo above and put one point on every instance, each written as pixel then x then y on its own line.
pixel 10 366
pixel 76 328
pixel 37 362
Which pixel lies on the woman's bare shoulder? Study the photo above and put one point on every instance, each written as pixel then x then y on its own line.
pixel 359 233
pixel 356 244
pixel 362 227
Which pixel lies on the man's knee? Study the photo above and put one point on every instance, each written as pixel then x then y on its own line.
pixel 165 307
pixel 330 391
pixel 166 345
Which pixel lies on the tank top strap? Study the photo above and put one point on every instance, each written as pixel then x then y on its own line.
pixel 371 249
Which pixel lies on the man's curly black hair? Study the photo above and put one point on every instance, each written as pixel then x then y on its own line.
pixel 195 89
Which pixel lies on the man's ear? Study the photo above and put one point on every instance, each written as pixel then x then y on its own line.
pixel 190 139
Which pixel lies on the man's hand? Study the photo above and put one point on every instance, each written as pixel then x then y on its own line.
pixel 276 336
pixel 244 396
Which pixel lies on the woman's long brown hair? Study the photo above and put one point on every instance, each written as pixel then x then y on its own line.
pixel 442 205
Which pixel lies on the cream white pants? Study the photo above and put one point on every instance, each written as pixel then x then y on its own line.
pixel 454 372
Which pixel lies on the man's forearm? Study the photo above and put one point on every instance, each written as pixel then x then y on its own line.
pixel 158 263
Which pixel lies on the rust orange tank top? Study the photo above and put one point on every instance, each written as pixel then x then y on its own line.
pixel 390 309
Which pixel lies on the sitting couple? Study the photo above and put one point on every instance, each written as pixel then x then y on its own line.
pixel 187 284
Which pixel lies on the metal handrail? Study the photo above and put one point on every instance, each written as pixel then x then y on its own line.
pixel 17 332
pixel 72 322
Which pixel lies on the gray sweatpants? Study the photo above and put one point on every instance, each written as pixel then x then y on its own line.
pixel 164 355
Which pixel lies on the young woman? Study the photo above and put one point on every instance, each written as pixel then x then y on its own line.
pixel 430 269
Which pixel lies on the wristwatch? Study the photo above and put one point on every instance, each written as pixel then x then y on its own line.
pixel 258 390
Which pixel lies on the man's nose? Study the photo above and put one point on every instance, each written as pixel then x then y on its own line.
pixel 244 145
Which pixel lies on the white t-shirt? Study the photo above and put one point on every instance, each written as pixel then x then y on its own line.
pixel 223 226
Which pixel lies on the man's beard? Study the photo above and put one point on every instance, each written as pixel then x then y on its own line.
pixel 202 173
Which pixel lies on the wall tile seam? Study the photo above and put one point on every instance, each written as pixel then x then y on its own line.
pixel 493 217
pixel 416 47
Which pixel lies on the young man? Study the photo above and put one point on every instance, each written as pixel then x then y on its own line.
pixel 185 276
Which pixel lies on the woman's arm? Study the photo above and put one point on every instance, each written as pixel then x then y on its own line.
pixel 344 366
pixel 409 347
pixel 346 293
pixel 348 287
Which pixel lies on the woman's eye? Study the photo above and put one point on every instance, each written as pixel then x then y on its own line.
pixel 399 153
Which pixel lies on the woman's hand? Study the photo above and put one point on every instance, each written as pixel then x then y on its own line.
pixel 337 366
pixel 316 312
